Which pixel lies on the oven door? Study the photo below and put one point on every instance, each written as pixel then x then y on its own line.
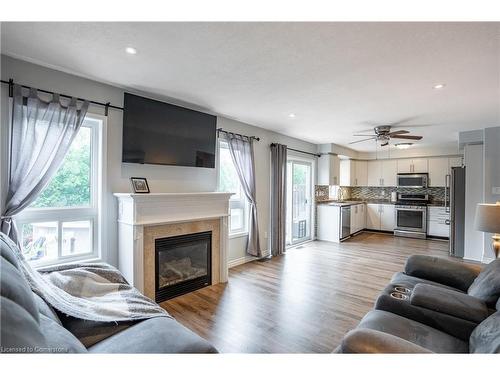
pixel 412 180
pixel 411 219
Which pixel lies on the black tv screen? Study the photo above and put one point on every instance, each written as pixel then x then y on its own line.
pixel 155 132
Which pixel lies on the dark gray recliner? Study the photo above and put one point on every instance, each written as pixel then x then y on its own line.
pixel 29 325
pixel 447 307
pixel 451 296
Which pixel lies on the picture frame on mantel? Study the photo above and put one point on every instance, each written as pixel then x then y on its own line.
pixel 139 185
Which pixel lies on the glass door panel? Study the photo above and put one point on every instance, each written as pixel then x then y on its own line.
pixel 299 201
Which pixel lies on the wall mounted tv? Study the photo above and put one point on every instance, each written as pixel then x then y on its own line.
pixel 155 132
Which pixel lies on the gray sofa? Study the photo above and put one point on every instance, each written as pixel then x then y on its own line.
pixel 29 325
pixel 447 307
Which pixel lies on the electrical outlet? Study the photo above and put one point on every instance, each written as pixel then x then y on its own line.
pixel 495 190
pixel 265 235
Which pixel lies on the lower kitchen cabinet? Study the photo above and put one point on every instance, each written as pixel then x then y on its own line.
pixel 358 217
pixel 436 222
pixel 380 216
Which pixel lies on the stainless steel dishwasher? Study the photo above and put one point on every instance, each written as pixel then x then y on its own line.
pixel 345 222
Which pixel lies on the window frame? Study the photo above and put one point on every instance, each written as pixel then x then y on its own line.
pixel 95 212
pixel 234 203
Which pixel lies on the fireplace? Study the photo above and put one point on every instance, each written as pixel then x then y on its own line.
pixel 183 264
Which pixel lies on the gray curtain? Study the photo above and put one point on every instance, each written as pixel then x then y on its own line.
pixel 241 150
pixel 278 198
pixel 41 134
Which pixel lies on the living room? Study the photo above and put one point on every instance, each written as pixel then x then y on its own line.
pixel 250 187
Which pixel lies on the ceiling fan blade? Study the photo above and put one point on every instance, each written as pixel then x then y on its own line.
pixel 362 135
pixel 398 132
pixel 411 126
pixel 362 140
pixel 415 137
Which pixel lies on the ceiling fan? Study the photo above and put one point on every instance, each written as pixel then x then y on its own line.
pixel 384 134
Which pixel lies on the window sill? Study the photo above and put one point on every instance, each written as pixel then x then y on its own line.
pixel 65 262
pixel 238 235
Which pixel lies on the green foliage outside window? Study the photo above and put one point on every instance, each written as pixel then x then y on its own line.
pixel 70 186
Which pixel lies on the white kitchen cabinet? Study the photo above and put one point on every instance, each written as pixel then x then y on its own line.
pixel 387 217
pixel 382 173
pixel 358 217
pixel 438 169
pixel 436 222
pixel 374 172
pixel 361 173
pixel 455 162
pixel 353 172
pixel 389 173
pixel 380 216
pixel 418 165
pixel 328 218
pixel 328 170
pixel 372 216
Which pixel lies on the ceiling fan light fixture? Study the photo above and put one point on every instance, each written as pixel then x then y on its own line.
pixel 403 146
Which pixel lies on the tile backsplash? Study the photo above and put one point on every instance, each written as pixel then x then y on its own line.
pixel 325 192
pixel 435 193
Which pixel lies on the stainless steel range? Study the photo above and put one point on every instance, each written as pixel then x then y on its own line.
pixel 411 215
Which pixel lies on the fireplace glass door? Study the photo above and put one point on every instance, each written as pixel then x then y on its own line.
pixel 182 264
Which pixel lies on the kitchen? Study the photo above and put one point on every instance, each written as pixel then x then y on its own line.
pixel 408 197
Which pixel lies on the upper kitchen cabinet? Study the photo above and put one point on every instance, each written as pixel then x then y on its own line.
pixel 382 172
pixel 439 167
pixel 418 165
pixel 353 172
pixel 328 170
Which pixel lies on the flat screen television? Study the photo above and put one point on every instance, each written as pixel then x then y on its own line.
pixel 155 132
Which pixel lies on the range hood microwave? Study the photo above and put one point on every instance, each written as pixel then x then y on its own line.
pixel 413 180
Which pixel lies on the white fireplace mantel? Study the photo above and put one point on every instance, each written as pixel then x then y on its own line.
pixel 137 212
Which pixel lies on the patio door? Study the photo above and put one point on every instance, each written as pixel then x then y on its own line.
pixel 299 201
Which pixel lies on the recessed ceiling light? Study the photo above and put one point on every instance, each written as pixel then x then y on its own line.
pixel 403 146
pixel 292 115
pixel 439 86
pixel 131 50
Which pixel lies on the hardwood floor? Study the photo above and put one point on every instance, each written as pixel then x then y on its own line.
pixel 302 302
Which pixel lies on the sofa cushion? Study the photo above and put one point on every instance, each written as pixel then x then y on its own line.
pixel 415 332
pixel 449 302
pixel 14 286
pixel 452 325
pixel 442 270
pixel 408 281
pixel 486 337
pixel 156 335
pixel 20 332
pixel 59 339
pixel 486 286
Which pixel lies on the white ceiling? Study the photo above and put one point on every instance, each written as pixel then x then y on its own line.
pixel 337 78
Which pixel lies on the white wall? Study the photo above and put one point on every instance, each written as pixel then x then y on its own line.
pixel 161 178
pixel 473 160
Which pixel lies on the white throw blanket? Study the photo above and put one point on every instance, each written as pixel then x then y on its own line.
pixel 90 291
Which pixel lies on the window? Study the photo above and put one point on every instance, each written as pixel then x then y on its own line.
pixel 62 223
pixel 230 182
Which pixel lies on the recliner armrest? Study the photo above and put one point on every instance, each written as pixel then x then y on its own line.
pixel 364 340
pixel 449 302
pixel 444 271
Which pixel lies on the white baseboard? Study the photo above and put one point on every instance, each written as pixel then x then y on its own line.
pixel 488 260
pixel 242 260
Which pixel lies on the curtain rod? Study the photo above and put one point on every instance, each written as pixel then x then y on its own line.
pixel 241 135
pixel 303 152
pixel 106 106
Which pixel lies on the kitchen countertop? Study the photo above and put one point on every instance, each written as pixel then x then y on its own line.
pixel 351 202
